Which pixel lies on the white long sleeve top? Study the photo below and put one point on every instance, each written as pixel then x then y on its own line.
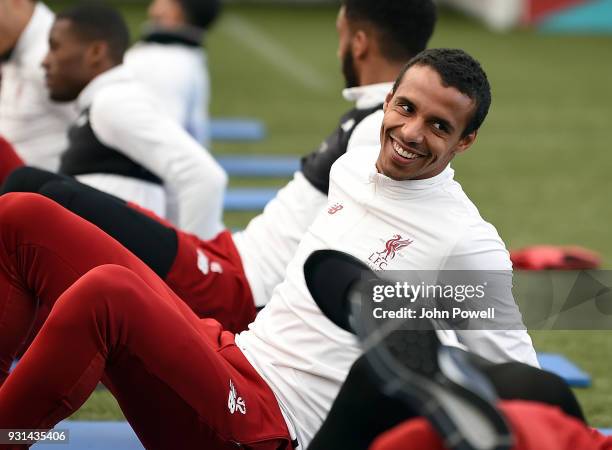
pixel 125 117
pixel 303 356
pixel 178 75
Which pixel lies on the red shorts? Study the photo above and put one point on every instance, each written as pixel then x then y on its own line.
pixel 209 277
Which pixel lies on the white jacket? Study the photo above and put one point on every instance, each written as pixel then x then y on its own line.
pixel 125 117
pixel 178 76
pixel 303 356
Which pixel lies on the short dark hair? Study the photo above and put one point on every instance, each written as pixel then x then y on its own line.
pixel 404 26
pixel 99 22
pixel 459 70
pixel 201 13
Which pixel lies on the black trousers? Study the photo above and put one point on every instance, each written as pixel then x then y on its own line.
pixel 152 241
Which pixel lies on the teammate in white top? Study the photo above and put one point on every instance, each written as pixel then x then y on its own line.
pixel 34 124
pixel 171 62
pixel 37 126
pixel 122 143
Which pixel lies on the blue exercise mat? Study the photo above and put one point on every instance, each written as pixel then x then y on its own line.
pixel 248 199
pixel 95 436
pixel 237 130
pixel 559 364
pixel 259 166
pixel 592 17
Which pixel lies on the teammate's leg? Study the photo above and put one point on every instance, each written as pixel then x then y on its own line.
pixel 518 381
pixel 349 424
pixel 181 381
pixel 152 240
pixel 44 248
pixel 29 179
pixel 535 426
pixel 9 159
pixel 148 237
pixel 207 275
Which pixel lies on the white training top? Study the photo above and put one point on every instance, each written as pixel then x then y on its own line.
pixel 177 74
pixel 34 124
pixel 301 354
pixel 269 241
pixel 124 116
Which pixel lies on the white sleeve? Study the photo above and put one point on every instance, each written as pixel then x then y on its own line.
pixel 481 249
pixel 127 119
pixel 270 240
pixel 164 74
pixel 179 78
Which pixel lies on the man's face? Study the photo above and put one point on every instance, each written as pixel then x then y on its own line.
pixel 67 71
pixel 167 13
pixel 422 126
pixel 345 53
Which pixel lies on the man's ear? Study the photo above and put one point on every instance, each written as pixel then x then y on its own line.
pixel 388 99
pixel 360 44
pixel 466 142
pixel 97 52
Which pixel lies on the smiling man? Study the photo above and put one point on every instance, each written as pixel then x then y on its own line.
pixel 425 126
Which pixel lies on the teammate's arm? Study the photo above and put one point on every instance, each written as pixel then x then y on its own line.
pixel 134 126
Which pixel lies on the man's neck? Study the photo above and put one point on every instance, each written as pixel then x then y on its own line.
pixel 379 71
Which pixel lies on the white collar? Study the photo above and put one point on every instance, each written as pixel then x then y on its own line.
pixel 369 95
pixel 406 186
pixel 40 22
pixel 116 74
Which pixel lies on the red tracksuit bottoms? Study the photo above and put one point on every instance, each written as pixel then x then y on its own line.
pixel 177 378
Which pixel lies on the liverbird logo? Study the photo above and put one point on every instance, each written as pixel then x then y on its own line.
pixel 393 246
pixel 380 259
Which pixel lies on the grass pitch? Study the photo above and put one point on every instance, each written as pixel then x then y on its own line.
pixel 539 171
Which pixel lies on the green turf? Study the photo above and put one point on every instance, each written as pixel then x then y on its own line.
pixel 539 170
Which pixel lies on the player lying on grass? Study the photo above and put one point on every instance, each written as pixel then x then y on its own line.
pixel 182 381
pixel 375 41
